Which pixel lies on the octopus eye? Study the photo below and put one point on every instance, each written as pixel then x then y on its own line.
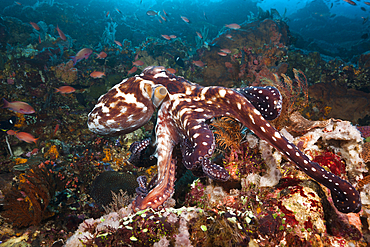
pixel 160 92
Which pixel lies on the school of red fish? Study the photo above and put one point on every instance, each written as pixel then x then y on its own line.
pixel 25 108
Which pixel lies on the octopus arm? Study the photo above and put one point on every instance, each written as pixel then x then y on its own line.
pixel 345 197
pixel 267 100
pixel 198 147
pixel 163 188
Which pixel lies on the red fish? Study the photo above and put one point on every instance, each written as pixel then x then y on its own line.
pixel 199 35
pixel 185 19
pixel 97 74
pixel 198 63
pixel 18 106
pixel 101 55
pixel 18 3
pixel 222 54
pixel 11 132
pixel 61 34
pixel 27 137
pixel 229 36
pixel 164 12
pixel 138 63
pixel 118 43
pixel 133 70
pixel 107 14
pixel 226 51
pixel 65 89
pixel 233 26
pixel 173 36
pixel 56 129
pixel 166 36
pixel 163 18
pixel 35 26
pixel 351 2
pixel 119 11
pixel 39 39
pixel 368 3
pixel 83 53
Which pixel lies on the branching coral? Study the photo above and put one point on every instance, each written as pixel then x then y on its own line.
pixel 109 34
pixel 119 200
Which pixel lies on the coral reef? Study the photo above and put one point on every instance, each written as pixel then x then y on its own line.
pixel 51 189
pixel 66 72
pixel 27 202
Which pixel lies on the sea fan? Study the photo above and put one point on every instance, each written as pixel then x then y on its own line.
pixel 26 203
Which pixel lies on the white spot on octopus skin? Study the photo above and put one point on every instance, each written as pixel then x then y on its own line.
pixel 203 92
pixel 256 112
pixel 196 135
pixel 222 92
pixel 251 117
pixel 239 105
pixel 197 127
pixel 277 135
pixel 105 109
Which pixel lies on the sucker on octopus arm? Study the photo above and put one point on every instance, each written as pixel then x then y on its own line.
pixel 183 109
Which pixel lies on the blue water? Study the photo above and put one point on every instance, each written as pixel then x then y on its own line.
pixel 320 25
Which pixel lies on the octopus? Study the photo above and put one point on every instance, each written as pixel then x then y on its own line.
pixel 184 110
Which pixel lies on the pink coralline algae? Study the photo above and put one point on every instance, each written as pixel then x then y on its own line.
pixel 365 131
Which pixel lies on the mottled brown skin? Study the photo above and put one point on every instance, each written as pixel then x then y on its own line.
pixel 182 119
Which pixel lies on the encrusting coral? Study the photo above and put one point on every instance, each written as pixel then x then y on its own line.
pixel 66 72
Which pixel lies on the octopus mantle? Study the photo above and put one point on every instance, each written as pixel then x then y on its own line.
pixel 183 111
